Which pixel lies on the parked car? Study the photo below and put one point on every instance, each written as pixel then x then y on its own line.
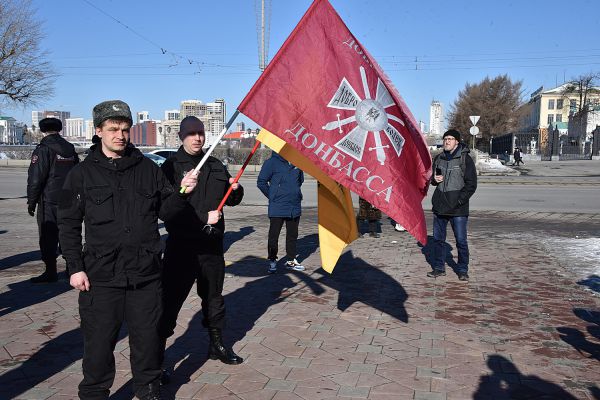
pixel 165 153
pixel 159 160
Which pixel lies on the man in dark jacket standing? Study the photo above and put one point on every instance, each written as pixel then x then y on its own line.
pixel 194 248
pixel 280 181
pixel 455 178
pixel 51 161
pixel 117 193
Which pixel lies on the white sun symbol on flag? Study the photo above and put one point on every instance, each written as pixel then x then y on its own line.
pixel 370 116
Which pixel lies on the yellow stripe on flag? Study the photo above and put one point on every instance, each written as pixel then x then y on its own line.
pixel 337 223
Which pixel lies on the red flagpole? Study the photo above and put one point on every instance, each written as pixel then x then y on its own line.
pixel 239 174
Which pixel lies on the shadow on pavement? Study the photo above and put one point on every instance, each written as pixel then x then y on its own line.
pixel 232 237
pixel 577 339
pixel 24 294
pixel 55 355
pixel 3 231
pixel 358 281
pixel 18 259
pixel 428 252
pixel 306 245
pixel 592 282
pixel 244 307
pixel 507 382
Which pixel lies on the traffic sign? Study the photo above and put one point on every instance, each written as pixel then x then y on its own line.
pixel 474 119
pixel 474 130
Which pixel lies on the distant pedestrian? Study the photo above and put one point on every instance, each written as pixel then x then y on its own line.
pixel 116 194
pixel 517 156
pixel 455 180
pixel 51 161
pixel 368 212
pixel 280 181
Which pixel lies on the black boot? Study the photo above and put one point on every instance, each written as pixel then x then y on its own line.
pixel 150 392
pixel 218 351
pixel 49 275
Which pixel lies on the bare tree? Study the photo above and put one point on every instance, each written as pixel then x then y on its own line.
pixel 582 86
pixel 25 74
pixel 495 100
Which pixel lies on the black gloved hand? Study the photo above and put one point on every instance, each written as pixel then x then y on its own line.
pixel 31 209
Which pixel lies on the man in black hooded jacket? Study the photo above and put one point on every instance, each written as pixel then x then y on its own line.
pixel 51 161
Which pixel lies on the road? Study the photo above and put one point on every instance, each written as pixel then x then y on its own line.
pixel 489 196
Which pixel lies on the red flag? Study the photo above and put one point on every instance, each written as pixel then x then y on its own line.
pixel 326 96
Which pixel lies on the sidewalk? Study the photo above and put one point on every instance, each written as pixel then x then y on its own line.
pixel 527 325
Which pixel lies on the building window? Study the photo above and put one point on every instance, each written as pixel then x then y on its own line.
pixel 551 104
pixel 559 104
pixel 558 117
pixel 572 106
pixel 550 118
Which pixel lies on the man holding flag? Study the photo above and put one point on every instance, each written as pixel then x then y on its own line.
pixel 194 249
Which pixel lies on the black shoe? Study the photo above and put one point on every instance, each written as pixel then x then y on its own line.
pixel 463 277
pixel 46 277
pixel 150 392
pixel 218 351
pixel 374 234
pixel 435 273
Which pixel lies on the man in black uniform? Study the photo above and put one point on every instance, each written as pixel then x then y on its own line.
pixel 117 193
pixel 194 250
pixel 51 161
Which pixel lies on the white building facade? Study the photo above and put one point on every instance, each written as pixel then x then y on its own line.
pixel 436 118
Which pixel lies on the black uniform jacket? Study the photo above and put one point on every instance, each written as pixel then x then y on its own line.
pixel 186 219
pixel 51 161
pixel 119 202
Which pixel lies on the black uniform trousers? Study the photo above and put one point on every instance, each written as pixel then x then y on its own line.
pixel 103 310
pixel 291 236
pixel 182 267
pixel 48 232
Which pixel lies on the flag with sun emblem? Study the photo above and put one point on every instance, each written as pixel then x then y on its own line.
pixel 326 96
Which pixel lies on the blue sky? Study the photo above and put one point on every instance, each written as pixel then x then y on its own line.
pixel 106 49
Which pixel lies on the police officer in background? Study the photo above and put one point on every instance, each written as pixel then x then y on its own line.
pixel 51 161
pixel 117 193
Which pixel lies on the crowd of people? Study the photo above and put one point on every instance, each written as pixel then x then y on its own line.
pixel 116 196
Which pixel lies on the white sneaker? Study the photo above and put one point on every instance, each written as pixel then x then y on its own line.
pixel 272 267
pixel 399 228
pixel 295 265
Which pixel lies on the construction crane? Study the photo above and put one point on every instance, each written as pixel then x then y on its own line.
pixel 262 9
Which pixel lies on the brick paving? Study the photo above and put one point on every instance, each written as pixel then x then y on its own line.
pixel 527 325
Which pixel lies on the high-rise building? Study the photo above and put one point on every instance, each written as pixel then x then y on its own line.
pixel 90 131
pixel 422 127
pixel 436 117
pixel 240 126
pixel 223 109
pixel 172 115
pixel 192 107
pixel 36 116
pixel 143 134
pixel 142 116
pixel 73 128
